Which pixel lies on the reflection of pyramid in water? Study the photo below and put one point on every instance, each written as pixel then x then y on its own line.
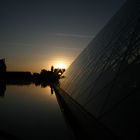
pixel 105 77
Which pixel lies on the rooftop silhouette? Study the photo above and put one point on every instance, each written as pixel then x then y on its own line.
pixel 43 79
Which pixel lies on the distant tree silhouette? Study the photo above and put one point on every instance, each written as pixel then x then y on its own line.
pixel 44 78
pixel 52 68
pixel 59 71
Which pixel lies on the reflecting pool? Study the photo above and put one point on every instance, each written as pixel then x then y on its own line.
pixel 30 112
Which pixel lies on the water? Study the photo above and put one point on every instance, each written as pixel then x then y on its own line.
pixel 29 112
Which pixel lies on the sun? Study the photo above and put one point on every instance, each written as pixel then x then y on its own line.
pixel 60 66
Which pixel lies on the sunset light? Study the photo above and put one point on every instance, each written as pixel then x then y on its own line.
pixel 60 65
pixel 68 69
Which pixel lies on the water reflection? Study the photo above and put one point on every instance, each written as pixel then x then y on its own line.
pixel 43 84
pixel 31 112
pixel 2 88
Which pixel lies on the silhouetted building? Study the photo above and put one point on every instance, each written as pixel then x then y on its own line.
pixel 2 65
pixel 105 77
pixel 18 75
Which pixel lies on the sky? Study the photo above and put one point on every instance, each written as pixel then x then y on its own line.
pixel 36 34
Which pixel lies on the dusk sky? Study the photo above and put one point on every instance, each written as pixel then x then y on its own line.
pixel 35 34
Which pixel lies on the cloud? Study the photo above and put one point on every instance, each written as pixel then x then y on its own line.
pixel 19 44
pixel 73 35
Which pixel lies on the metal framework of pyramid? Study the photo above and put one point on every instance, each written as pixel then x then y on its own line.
pixel 105 77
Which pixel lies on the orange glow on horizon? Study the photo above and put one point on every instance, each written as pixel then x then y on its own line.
pixel 60 65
